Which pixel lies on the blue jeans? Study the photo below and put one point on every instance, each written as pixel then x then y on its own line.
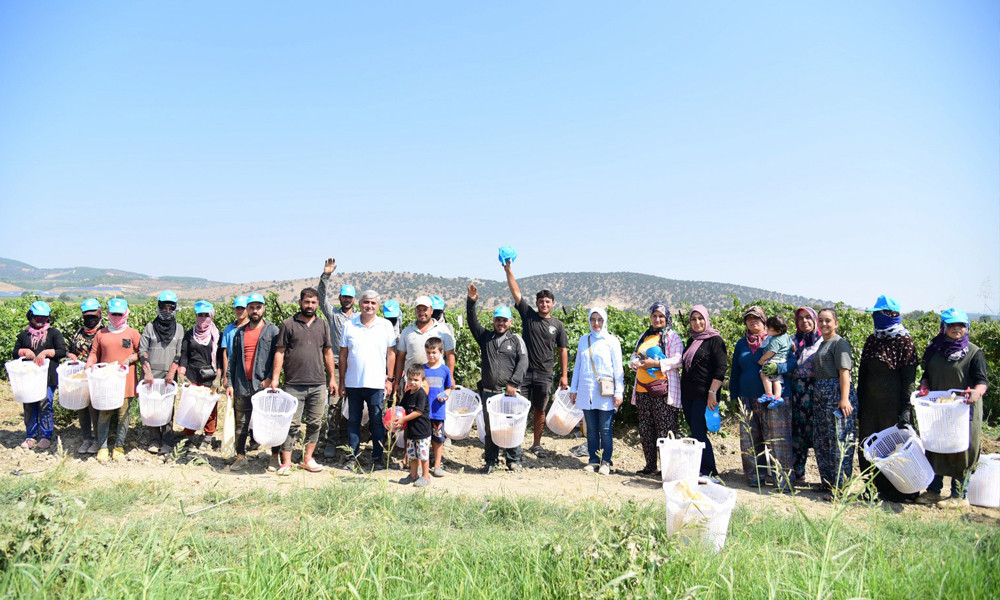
pixel 599 434
pixel 39 417
pixel 356 400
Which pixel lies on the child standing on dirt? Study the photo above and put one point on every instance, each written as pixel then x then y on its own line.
pixel 778 345
pixel 418 426
pixel 439 384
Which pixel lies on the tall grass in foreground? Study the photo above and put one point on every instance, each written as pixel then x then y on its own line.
pixel 352 539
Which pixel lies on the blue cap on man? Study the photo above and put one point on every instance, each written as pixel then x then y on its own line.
pixel 390 309
pixel 348 290
pixel 118 306
pixel 255 297
pixel 502 312
pixel 167 296
pixel 90 304
pixel 240 302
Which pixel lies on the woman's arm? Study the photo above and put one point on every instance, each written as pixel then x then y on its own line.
pixel 736 371
pixel 674 352
pixel 617 369
pixel 845 391
pixel 791 362
pixel 576 372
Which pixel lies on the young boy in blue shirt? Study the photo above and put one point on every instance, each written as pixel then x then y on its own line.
pixel 439 384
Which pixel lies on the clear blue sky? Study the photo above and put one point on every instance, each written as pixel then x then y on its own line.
pixel 837 151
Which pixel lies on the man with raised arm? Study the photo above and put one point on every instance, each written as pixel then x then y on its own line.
pixel 542 333
pixel 504 361
pixel 336 316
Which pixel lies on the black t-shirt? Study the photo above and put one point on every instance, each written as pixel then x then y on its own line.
pixel 542 337
pixel 194 358
pixel 419 427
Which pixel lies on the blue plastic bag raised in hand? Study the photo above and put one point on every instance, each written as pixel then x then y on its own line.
pixel 656 353
pixel 507 255
pixel 713 419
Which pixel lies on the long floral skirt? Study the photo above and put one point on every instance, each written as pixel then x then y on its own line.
pixel 656 420
pixel 834 438
pixel 800 396
pixel 766 443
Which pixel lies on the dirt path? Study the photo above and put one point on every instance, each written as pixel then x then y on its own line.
pixel 557 476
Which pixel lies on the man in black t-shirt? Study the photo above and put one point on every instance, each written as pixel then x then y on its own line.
pixel 542 334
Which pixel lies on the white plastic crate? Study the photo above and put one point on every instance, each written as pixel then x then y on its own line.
pixel 461 410
pixel 107 385
pixel 899 455
pixel 196 406
pixel 984 485
pixel 74 393
pixel 508 419
pixel 563 416
pixel 28 382
pixel 705 518
pixel 156 402
pixel 272 416
pixel 944 428
pixel 679 458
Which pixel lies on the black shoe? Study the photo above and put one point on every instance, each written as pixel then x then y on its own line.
pixel 645 471
pixel 329 451
pixel 206 444
pixel 378 466
pixel 488 469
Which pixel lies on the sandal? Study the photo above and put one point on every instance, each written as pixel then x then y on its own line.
pixel 285 470
pixel 312 466
pixel 28 444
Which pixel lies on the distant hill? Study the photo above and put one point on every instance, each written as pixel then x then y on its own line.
pixel 623 290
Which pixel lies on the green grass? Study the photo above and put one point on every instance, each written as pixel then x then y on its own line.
pixel 354 539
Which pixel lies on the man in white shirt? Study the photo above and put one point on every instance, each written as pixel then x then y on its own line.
pixel 410 348
pixel 367 361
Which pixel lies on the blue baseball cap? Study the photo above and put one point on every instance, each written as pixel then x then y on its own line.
pixel 348 290
pixel 884 303
pixel 40 309
pixel 502 312
pixel 437 303
pixel 390 309
pixel 255 298
pixel 167 296
pixel 90 304
pixel 118 306
pixel 954 315
pixel 507 254
pixel 240 302
pixel 203 306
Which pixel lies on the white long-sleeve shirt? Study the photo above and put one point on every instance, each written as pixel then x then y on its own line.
pixel 607 354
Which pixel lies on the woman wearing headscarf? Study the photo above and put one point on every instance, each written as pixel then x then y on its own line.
pixel 800 381
pixel 835 406
pixel 657 394
pixel 198 353
pixel 705 366
pixel 37 343
pixel 597 371
pixel 765 433
pixel 951 362
pixel 886 376
pixel 79 349
pixel 160 353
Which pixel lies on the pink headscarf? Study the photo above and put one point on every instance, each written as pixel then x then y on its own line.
pixel 698 338
pixel 205 332
pixel 116 323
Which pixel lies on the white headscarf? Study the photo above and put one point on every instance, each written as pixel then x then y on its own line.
pixel 604 330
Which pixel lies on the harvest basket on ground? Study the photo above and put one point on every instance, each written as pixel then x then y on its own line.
pixel 899 455
pixel 28 381
pixel 943 427
pixel 196 406
pixel 272 416
pixel 156 402
pixel 564 416
pixel 679 458
pixel 107 385
pixel 461 410
pixel 508 419
pixel 698 509
pixel 984 485
pixel 74 392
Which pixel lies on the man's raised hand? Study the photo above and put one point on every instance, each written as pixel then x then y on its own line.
pixel 329 266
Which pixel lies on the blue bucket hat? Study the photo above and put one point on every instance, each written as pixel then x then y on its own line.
pixel 954 315
pixel 240 302
pixel 502 312
pixel 390 309
pixel 348 290
pixel 40 309
pixel 118 306
pixel 437 303
pixel 507 254
pixel 255 298
pixel 167 296
pixel 203 306
pixel 90 304
pixel 884 303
